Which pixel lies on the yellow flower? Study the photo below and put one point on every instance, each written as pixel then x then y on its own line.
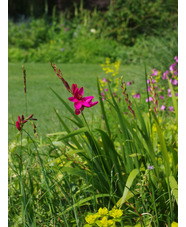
pixel 116 213
pixel 106 222
pixel 90 218
pixel 174 224
pixel 103 211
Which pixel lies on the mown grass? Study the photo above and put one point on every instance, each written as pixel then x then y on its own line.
pixel 40 98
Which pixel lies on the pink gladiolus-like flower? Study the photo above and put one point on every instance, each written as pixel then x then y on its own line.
pixel 165 75
pixel 104 80
pixel 155 72
pixel 163 107
pixel 171 108
pixel 161 97
pixel 176 59
pixel 175 82
pixel 148 81
pixel 106 89
pixel 172 67
pixel 79 101
pixel 137 95
pixel 150 99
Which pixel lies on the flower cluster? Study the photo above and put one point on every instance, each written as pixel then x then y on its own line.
pixel 21 121
pixel 111 69
pixel 157 92
pixel 104 218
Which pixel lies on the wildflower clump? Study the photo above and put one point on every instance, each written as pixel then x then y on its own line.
pixel 104 218
pixel 112 70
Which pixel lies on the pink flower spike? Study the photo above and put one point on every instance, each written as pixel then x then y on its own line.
pixel 163 107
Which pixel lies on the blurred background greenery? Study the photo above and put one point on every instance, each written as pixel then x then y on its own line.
pixel 87 31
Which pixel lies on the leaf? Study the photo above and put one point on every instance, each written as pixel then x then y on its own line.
pixel 174 187
pixel 84 201
pixel 129 182
pixel 163 146
pixel 76 132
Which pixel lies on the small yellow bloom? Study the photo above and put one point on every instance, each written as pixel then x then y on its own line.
pixel 106 222
pixel 174 224
pixel 90 219
pixel 116 213
pixel 103 211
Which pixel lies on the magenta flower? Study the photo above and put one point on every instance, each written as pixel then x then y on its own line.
pixel 163 107
pixel 176 59
pixel 128 83
pixel 175 82
pixel 155 72
pixel 21 121
pixel 106 89
pixel 104 80
pixel 150 99
pixel 172 68
pixel 176 94
pixel 137 95
pixel 161 97
pixel 165 75
pixel 148 81
pixel 169 92
pixel 79 101
pixel 171 108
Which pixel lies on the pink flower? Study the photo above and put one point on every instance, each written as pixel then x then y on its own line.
pixel 172 67
pixel 163 107
pixel 104 80
pixel 148 81
pixel 153 81
pixel 176 59
pixel 155 72
pixel 150 99
pixel 176 94
pixel 171 108
pixel 165 75
pixel 169 92
pixel 21 121
pixel 161 97
pixel 175 82
pixel 106 89
pixel 128 83
pixel 137 95
pixel 79 101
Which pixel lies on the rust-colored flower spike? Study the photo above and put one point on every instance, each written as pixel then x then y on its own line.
pixel 123 86
pixel 24 78
pixel 21 121
pixel 59 74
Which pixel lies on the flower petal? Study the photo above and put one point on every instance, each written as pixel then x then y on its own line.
pixel 78 105
pixel 81 91
pixel 72 99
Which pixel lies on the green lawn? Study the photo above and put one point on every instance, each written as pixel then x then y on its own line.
pixel 40 98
